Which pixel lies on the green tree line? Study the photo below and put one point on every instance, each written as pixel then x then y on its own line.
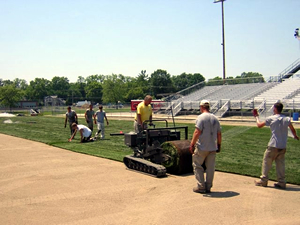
pixel 107 88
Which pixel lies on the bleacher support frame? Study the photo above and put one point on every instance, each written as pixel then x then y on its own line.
pixel 240 97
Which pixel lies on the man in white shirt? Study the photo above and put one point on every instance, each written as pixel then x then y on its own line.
pixel 85 133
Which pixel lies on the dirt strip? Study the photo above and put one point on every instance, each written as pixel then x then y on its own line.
pixel 40 184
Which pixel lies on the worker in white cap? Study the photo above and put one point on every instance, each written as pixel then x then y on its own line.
pixel 205 143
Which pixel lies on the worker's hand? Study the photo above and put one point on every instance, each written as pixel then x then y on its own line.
pixel 219 148
pixel 296 137
pixel 107 123
pixel 192 149
pixel 65 125
pixel 69 140
pixel 255 113
pixel 95 122
pixel 140 127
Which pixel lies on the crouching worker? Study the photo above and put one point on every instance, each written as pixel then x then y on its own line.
pixel 85 133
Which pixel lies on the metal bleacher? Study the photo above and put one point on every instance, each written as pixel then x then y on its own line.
pixel 233 92
pixel 284 88
pixel 286 92
pixel 290 70
pixel 220 95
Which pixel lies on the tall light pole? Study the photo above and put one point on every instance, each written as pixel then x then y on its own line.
pixel 223 38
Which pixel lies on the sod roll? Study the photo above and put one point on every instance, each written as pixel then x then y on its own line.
pixel 180 161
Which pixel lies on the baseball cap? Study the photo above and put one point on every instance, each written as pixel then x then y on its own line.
pixel 204 102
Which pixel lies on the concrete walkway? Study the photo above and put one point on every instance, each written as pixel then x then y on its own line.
pixel 40 184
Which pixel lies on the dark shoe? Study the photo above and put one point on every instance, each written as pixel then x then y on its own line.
pixel 208 191
pixel 198 190
pixel 261 183
pixel 280 185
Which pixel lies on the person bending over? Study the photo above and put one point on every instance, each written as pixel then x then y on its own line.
pixel 85 133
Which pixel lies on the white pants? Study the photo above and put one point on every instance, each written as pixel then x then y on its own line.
pixel 100 127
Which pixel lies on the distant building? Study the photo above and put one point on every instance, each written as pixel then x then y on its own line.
pixel 27 104
pixel 82 103
pixel 54 101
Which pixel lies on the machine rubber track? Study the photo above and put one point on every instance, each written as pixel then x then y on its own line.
pixel 144 166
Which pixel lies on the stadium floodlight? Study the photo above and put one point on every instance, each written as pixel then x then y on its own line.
pixel 223 38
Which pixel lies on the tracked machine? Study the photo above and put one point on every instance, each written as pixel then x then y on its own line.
pixel 158 151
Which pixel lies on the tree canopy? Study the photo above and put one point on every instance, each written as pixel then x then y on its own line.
pixel 10 95
pixel 113 88
pixel 245 77
pixel 185 80
pixel 161 83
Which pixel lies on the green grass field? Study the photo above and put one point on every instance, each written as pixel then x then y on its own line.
pixel 242 147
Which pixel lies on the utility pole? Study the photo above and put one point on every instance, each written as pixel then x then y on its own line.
pixel 223 39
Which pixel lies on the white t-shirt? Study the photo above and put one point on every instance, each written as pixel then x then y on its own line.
pixel 100 116
pixel 209 126
pixel 86 131
pixel 279 128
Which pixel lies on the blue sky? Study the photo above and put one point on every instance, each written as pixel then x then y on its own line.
pixel 71 38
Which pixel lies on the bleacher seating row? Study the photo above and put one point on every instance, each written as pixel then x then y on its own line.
pixel 285 90
pixel 240 96
pixel 232 92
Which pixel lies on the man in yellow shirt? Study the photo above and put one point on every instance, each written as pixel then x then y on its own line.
pixel 143 113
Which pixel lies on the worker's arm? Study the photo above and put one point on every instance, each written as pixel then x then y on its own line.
pixel 86 118
pixel 293 131
pixel 219 141
pixel 196 135
pixel 258 123
pixel 73 135
pixel 139 119
pixel 95 121
pixel 81 134
pixel 106 119
pixel 76 118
